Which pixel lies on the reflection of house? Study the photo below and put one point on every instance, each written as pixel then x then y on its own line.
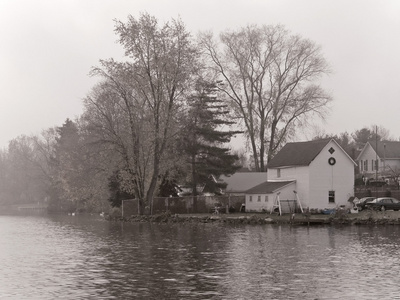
pixel 320 171
pixel 380 158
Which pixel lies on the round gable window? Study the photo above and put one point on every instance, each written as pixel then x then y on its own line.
pixel 332 161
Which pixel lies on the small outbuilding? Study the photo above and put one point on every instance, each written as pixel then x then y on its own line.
pixel 263 196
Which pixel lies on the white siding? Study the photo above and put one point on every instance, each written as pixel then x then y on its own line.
pixel 325 177
pixel 286 193
pixel 301 175
pixel 368 155
pixel 314 182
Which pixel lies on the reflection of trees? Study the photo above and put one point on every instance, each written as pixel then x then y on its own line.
pixel 382 240
pixel 213 261
pixel 164 261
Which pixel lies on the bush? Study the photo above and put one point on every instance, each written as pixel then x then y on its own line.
pixel 115 212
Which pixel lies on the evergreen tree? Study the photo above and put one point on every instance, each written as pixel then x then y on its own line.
pixel 168 187
pixel 205 137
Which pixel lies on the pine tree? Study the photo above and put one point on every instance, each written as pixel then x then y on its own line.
pixel 205 139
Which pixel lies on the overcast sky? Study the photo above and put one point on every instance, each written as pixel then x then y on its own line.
pixel 48 47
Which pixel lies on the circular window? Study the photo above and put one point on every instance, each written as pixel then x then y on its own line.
pixel 332 161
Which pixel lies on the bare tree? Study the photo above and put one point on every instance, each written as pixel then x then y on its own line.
pixel 140 98
pixel 268 75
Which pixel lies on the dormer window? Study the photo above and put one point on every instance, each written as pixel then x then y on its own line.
pixel 278 173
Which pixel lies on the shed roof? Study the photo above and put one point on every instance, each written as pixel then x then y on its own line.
pixel 268 187
pixel 298 154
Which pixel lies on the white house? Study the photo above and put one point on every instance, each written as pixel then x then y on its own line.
pixel 379 159
pixel 320 172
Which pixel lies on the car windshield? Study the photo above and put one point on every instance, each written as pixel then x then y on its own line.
pixel 367 199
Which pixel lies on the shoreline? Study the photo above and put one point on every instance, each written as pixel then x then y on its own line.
pixel 366 217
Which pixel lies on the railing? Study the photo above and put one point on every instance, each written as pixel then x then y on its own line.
pixel 35 207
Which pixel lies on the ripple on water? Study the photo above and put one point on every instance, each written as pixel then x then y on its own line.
pixel 76 258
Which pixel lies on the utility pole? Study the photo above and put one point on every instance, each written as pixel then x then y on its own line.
pixel 384 159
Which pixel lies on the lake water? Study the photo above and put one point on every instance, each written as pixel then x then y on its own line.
pixel 82 257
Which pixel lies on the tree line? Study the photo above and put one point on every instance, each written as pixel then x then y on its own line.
pixel 166 114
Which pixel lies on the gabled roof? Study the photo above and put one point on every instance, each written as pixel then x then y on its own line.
pixel 386 149
pixel 242 181
pixel 268 187
pixel 298 154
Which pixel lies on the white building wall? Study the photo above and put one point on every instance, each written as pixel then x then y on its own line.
pixel 254 205
pixel 325 177
pixel 368 156
pixel 385 164
pixel 300 174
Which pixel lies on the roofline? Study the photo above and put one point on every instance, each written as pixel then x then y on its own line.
pixel 273 191
pixel 344 152
pixel 288 166
pixel 362 151
pixel 303 165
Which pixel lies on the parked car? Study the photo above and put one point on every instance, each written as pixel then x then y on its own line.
pixel 360 204
pixel 385 203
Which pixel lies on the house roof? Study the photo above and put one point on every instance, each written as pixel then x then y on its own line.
pixel 242 181
pixel 386 149
pixel 298 154
pixel 268 187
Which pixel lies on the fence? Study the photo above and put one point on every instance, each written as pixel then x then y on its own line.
pixel 186 205
pixel 384 191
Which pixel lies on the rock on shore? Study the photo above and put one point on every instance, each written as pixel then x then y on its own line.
pixel 364 217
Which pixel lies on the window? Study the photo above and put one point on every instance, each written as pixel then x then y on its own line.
pixel 266 198
pixel 365 165
pixel 361 165
pixel 250 198
pixel 377 165
pixel 259 198
pixel 278 173
pixel 331 196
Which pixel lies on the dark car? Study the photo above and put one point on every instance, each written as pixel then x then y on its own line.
pixel 383 204
pixel 360 204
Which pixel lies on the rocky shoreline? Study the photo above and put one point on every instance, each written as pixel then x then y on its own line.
pixel 361 218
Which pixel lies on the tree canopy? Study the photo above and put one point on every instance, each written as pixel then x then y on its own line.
pixel 270 76
pixel 165 114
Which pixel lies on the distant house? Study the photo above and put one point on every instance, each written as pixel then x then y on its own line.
pixel 320 172
pixel 379 159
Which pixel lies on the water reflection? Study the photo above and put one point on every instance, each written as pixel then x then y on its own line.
pixel 88 258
